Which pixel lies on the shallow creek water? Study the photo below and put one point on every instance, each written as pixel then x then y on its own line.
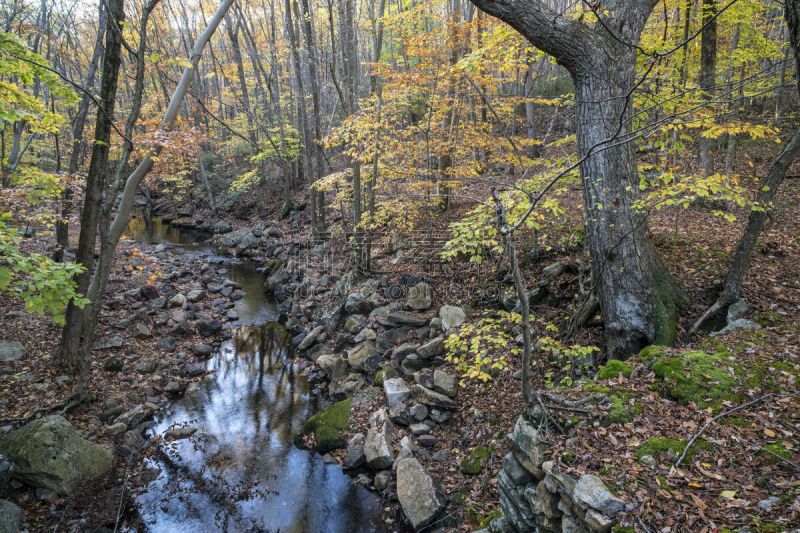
pixel 240 471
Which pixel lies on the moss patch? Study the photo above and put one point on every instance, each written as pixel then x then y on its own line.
pixel 697 377
pixel 383 374
pixel 658 446
pixel 777 449
pixel 613 368
pixel 325 429
pixel 473 463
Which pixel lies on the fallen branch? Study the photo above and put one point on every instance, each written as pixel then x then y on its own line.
pixel 722 415
pixel 754 445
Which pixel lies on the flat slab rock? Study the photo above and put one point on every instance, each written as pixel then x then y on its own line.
pixel 420 494
pixel 591 491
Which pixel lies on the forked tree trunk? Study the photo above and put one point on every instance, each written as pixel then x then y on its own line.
pixel 67 353
pixel 638 298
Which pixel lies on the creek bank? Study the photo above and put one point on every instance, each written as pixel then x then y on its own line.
pixel 167 310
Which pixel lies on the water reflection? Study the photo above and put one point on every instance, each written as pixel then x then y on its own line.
pixel 144 227
pixel 240 471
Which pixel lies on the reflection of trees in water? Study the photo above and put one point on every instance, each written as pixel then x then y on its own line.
pixel 252 408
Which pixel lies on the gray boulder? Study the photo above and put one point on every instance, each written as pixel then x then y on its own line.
pixel 309 339
pixel 11 350
pixel 420 296
pixel 430 398
pixel 334 366
pixel 377 445
pixel 362 356
pixel 221 227
pixel 431 349
pixel 445 383
pixel 6 469
pixel 355 303
pixel 592 492
pixel 451 316
pixel 51 453
pixel 420 494
pixel 195 295
pixel 10 517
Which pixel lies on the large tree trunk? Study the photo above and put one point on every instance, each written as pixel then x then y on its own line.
pixel 637 296
pixel 639 301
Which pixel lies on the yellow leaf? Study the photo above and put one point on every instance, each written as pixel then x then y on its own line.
pixel 695 485
pixel 728 494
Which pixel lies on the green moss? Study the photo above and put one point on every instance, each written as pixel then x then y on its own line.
pixel 649 353
pixel 662 481
pixel 695 377
pixel 484 522
pixel 594 387
pixel 613 368
pixel 736 421
pixel 619 414
pixel 383 374
pixel 473 463
pixel 659 446
pixel 777 449
pixel 768 318
pixel 326 428
pixel 622 529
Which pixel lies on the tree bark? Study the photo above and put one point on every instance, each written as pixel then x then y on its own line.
pixel 639 300
pixel 708 68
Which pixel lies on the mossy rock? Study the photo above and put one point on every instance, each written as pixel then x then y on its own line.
pixel 613 368
pixel 767 318
pixel 383 374
pixel 473 463
pixel 326 428
pixel 658 446
pixel 648 353
pixel 622 411
pixel 696 377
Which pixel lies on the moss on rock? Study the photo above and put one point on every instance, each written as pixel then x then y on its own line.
pixel 325 430
pixel 473 463
pixel 613 368
pixel 697 377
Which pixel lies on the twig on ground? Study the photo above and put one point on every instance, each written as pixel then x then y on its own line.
pixel 721 415
pixel 754 445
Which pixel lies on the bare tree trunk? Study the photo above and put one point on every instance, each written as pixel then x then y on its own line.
pixel 639 300
pixel 708 67
pixel 732 286
pixel 105 261
pixel 62 224
pixel 67 353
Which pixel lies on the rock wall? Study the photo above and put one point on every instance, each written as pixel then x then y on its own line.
pixel 536 496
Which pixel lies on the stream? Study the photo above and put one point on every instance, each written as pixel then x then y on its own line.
pixel 240 471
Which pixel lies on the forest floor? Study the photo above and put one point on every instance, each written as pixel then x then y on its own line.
pixel 742 459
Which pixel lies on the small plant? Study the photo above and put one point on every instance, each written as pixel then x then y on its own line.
pixel 480 349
